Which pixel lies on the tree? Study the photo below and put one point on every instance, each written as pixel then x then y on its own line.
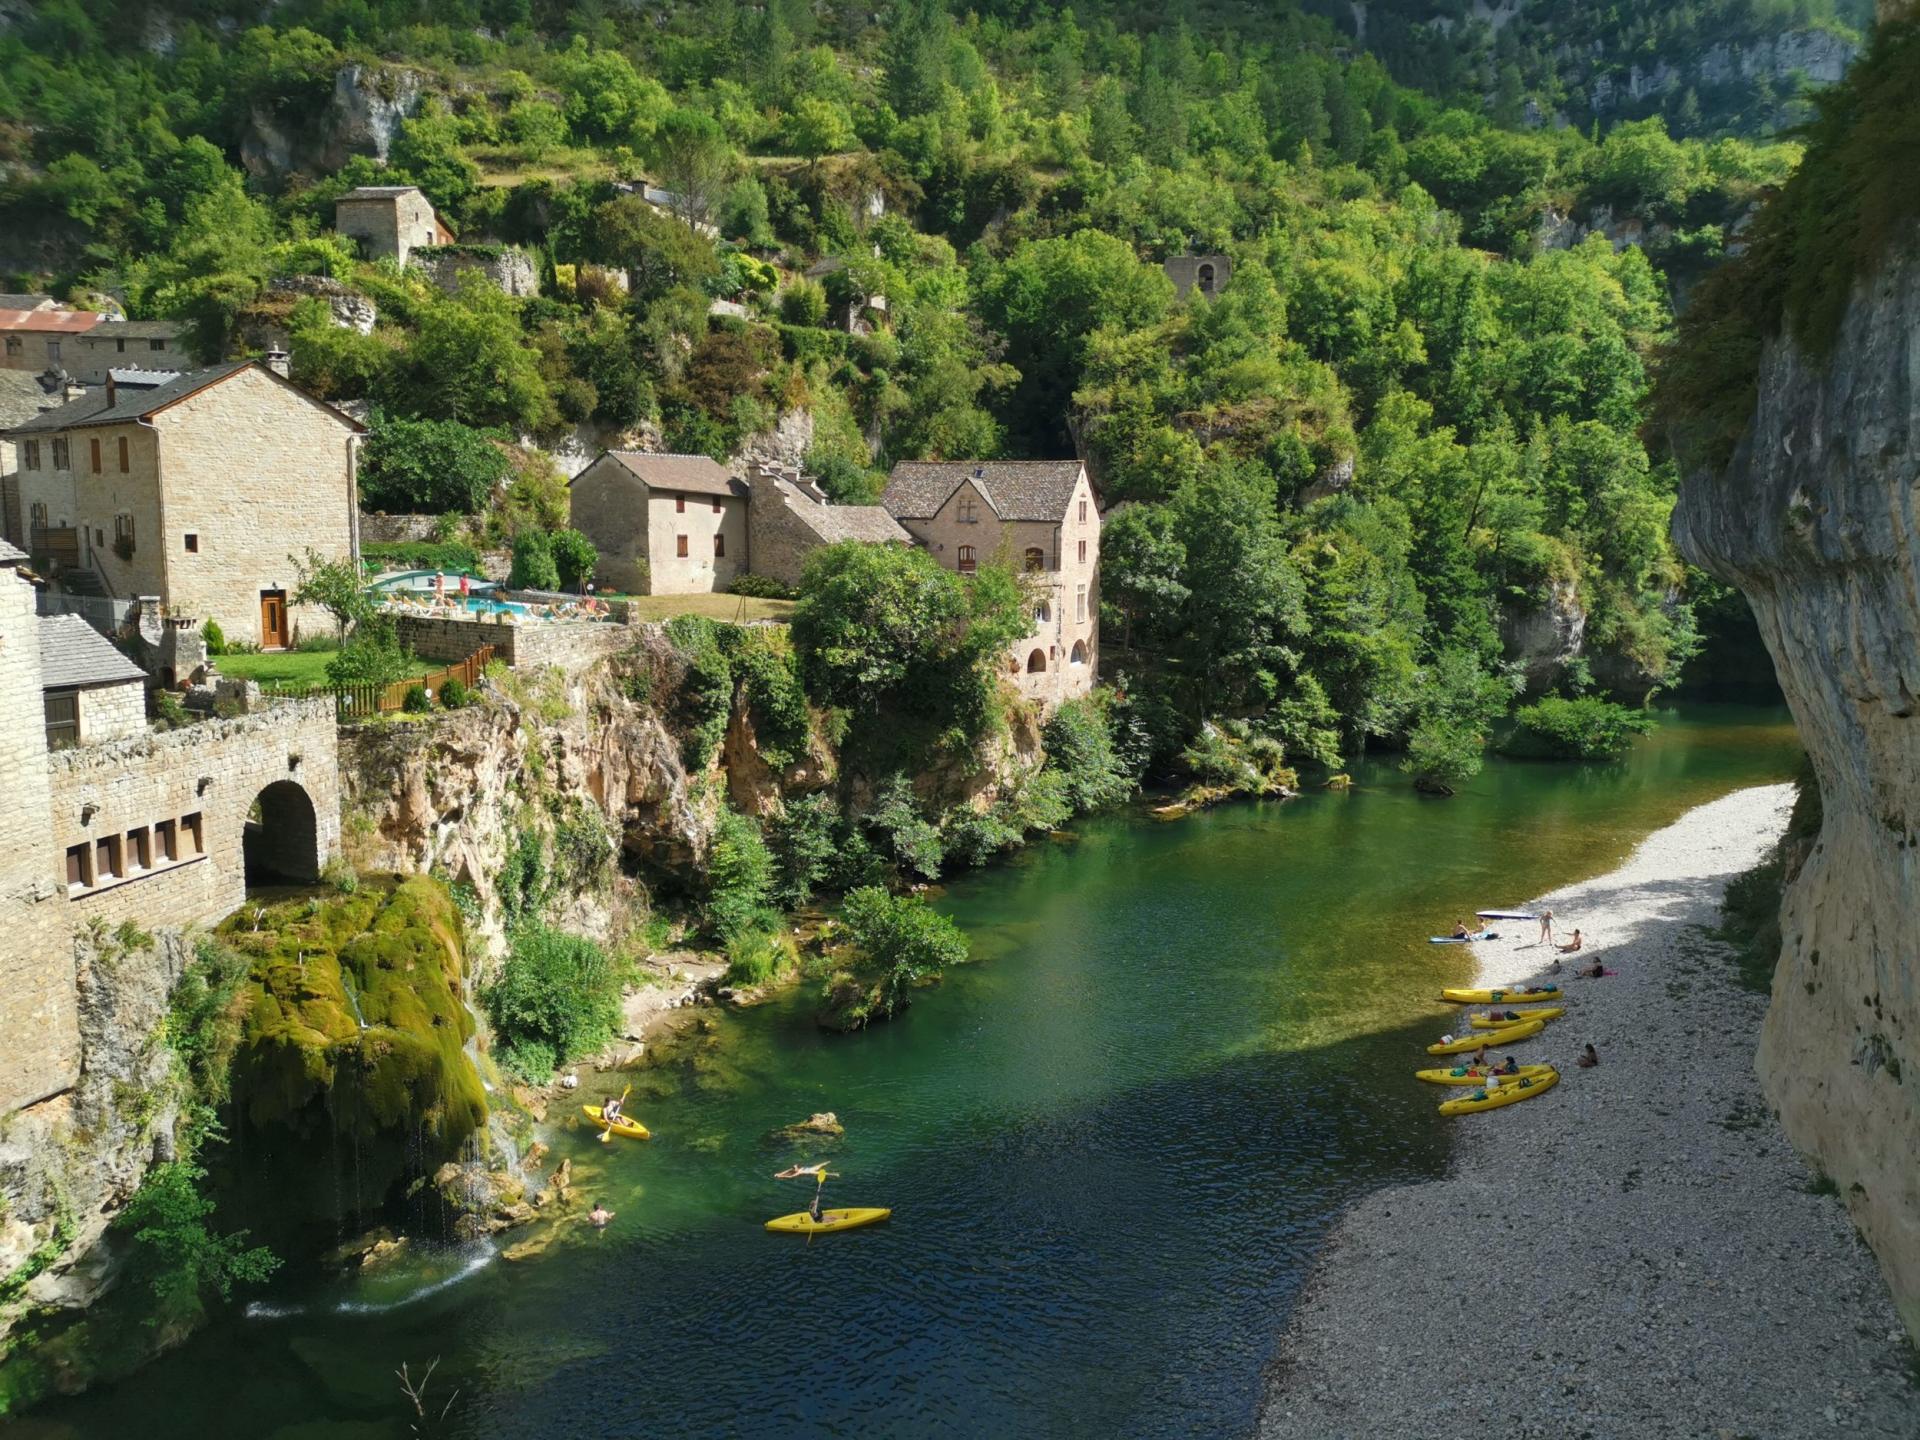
pixel 430 467
pixel 466 361
pixel 175 1253
pixel 818 127
pixel 656 253
pixel 739 877
pixel 574 558
pixel 901 940
pixel 694 162
pixel 534 567
pixel 334 585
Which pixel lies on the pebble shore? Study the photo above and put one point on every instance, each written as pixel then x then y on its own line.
pixel 1639 1252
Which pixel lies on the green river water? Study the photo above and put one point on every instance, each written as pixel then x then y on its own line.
pixel 1112 1146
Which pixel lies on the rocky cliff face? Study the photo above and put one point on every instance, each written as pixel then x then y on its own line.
pixel 1817 519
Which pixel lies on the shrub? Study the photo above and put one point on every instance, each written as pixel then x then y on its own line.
pixel 705 697
pixel 1589 728
pixel 803 303
pixel 574 558
pixel 739 877
pixel 802 841
pixel 1442 754
pixel 534 567
pixel 1080 750
pixel 760 587
pixel 905 833
pixel 429 466
pixel 317 644
pixel 373 655
pixel 899 941
pixel 558 996
pixel 452 556
pixel 175 1255
pixel 756 956
pixel 215 637
pixel 416 701
pixel 454 695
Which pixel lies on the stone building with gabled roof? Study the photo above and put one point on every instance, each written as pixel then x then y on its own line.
pixel 90 691
pixel 128 344
pixel 789 517
pixel 41 339
pixel 389 220
pixel 663 524
pixel 199 488
pixel 1039 517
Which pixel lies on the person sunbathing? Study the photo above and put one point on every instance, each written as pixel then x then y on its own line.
pixel 1589 1058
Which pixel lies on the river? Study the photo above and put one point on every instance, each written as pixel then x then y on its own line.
pixel 1112 1147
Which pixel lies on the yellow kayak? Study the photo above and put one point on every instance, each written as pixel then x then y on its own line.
pixel 1471 1075
pixel 632 1129
pixel 805 1224
pixel 1509 1093
pixel 1501 997
pixel 1492 1039
pixel 1552 1012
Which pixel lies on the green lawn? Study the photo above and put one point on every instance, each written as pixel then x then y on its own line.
pixel 714 607
pixel 307 667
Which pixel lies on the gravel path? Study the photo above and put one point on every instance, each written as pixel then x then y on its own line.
pixel 1635 1254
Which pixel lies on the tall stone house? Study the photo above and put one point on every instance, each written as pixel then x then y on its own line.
pixel 127 344
pixel 389 220
pixel 1037 516
pixel 107 822
pixel 663 524
pixel 199 488
pixel 43 339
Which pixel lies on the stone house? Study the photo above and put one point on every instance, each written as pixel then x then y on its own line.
pixel 788 518
pixel 389 220
pixel 127 344
pixel 1206 273
pixel 198 488
pixel 22 396
pixel 119 824
pixel 38 340
pixel 663 524
pixel 1040 517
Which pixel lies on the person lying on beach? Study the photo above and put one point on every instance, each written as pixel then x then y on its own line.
pixel 1573 944
pixel 1480 1058
pixel 1589 1058
pixel 1590 972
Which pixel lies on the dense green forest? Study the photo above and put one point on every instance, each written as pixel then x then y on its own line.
pixel 1410 422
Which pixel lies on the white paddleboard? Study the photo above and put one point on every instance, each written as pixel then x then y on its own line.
pixel 1461 939
pixel 1505 915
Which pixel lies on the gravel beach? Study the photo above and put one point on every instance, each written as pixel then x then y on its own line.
pixel 1637 1253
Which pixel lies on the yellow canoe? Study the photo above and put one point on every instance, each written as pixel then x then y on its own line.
pixel 1501 997
pixel 1509 1093
pixel 1469 1075
pixel 805 1224
pixel 632 1129
pixel 1492 1039
pixel 1552 1012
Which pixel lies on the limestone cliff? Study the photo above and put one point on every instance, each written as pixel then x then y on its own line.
pixel 1817 518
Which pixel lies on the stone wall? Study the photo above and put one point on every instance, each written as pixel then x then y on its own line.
pixel 39 1041
pixel 112 712
pixel 507 269
pixel 1815 520
pixel 569 644
pixel 215 770
pixel 398 529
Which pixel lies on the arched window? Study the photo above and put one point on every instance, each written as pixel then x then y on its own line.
pixel 967 565
pixel 1037 663
pixel 1078 655
pixel 1206 279
pixel 1036 558
pixel 1043 615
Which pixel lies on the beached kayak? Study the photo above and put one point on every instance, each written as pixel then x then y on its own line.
pixel 1507 1094
pixel 1468 1075
pixel 632 1129
pixel 1505 915
pixel 1551 1012
pixel 805 1224
pixel 1492 1039
pixel 1502 997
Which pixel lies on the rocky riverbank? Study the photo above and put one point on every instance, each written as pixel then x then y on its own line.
pixel 1639 1252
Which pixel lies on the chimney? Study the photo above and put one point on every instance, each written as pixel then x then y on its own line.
pixel 112 391
pixel 280 362
pixel 75 389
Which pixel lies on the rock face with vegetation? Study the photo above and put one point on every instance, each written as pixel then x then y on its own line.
pixel 1812 515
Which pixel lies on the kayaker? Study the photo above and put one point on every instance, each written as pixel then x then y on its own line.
pixel 1572 945
pixel 610 1111
pixel 1589 1058
pixel 1546 928
pixel 599 1216
pixel 819 1189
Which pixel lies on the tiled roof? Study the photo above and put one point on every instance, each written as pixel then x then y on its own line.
pixel 1017 489
pixel 92 408
pixel 833 523
pixel 131 377
pixel 137 330
pixel 22 397
pixel 378 192
pixel 11 554
pixel 25 302
pixel 58 322
pixel 687 474
pixel 74 655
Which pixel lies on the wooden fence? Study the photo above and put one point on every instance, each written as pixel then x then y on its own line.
pixel 362 702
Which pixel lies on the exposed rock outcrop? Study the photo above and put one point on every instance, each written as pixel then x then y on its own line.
pixel 507 268
pixel 362 116
pixel 1817 519
pixel 1543 639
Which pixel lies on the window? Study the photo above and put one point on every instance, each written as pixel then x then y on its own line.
pixel 192 840
pixel 967 516
pixel 13 344
pixel 166 840
pixel 680 546
pixel 719 547
pixel 1079 655
pixel 967 564
pixel 37 516
pixel 106 859
pixel 77 865
pixel 123 455
pixel 1206 279
pixel 1036 558
pixel 62 453
pixel 156 344
pixel 29 454
pixel 120 347
pixel 63 720
pixel 140 849
pixel 123 536
pixel 53 352
pixel 192 542
pixel 1083 512
pixel 1037 663
pixel 716 507
pixel 679 504
pixel 94 445
pixel 1083 552
pixel 1080 604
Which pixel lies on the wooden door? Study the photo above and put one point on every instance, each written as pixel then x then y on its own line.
pixel 273 619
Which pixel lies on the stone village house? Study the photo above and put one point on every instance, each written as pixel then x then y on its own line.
pixel 1037 516
pixel 389 220
pixel 43 339
pixel 196 488
pixel 107 822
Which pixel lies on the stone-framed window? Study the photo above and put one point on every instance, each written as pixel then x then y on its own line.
pixel 63 719
pixel 192 542
pixel 1083 552
pixel 680 546
pixel 62 453
pixel 193 839
pixel 93 452
pixel 1080 604
pixel 1083 512
pixel 123 542
pixel 679 504
pixel 80 865
pixel 13 345
pixel 1036 558
pixel 29 454
pixel 124 456
pixel 719 543
pixel 968 515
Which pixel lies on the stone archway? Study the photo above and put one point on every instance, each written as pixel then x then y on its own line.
pixel 281 840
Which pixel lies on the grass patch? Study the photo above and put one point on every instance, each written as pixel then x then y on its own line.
pixel 301 667
pixel 737 608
